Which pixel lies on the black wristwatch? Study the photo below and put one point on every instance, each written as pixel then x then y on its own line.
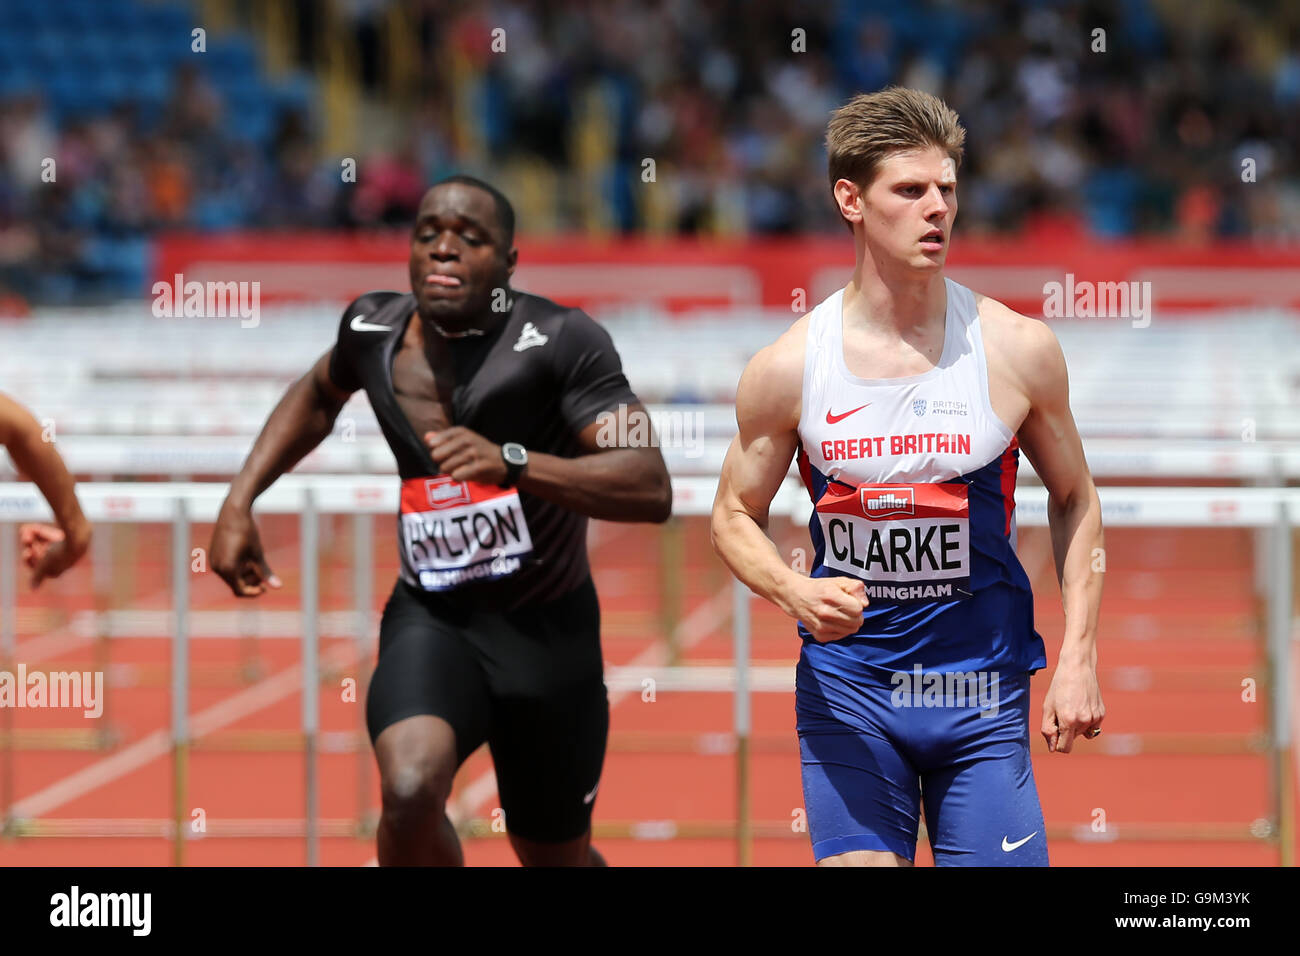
pixel 516 457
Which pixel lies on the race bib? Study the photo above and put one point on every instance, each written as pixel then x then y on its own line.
pixel 455 532
pixel 907 542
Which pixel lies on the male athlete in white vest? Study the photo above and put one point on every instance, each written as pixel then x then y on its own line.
pixel 907 399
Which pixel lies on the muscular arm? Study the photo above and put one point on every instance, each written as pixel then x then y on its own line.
pixel 612 483
pixel 609 483
pixel 768 401
pixel 20 433
pixel 298 424
pixel 301 421
pixel 1051 441
pixel 767 416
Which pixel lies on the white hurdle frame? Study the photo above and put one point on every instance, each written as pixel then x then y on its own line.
pixel 180 504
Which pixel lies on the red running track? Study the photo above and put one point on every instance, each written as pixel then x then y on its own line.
pixel 1179 635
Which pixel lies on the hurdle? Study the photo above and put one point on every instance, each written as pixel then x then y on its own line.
pixel 1269 510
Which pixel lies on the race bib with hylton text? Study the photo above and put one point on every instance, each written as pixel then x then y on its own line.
pixel 456 532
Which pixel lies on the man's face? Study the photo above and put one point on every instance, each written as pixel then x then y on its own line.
pixel 459 253
pixel 909 208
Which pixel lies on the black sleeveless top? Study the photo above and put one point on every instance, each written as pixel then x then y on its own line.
pixel 541 377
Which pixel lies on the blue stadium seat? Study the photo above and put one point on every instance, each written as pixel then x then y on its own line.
pixel 154 85
pixel 17 80
pixel 230 57
pixel 22 18
pixel 12 47
pixel 45 49
pixel 216 212
pixel 254 121
pixel 1110 200
pixel 67 92
pixel 120 17
pixel 296 89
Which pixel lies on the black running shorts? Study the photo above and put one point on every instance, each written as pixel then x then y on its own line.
pixel 529 682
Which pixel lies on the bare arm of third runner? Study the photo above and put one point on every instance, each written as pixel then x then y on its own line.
pixel 48 550
pixel 768 401
pixel 303 419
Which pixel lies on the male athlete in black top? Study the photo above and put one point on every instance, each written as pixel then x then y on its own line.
pixel 492 632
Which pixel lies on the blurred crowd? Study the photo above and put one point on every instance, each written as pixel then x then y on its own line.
pixel 1112 118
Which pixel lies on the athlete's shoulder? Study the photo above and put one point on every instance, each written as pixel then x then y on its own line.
pixel 538 308
pixel 370 313
pixel 1022 346
pixel 770 393
pixel 364 326
pixel 781 363
pixel 570 331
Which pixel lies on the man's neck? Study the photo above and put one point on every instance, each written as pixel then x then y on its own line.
pixel 898 300
pixel 460 328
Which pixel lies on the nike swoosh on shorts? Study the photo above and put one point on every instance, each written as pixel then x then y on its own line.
pixel 1008 847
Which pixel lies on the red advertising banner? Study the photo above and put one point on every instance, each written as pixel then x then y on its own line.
pixel 679 275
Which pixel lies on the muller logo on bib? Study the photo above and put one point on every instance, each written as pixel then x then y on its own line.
pixel 883 502
pixel 444 491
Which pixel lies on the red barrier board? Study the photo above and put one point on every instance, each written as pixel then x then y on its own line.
pixel 1033 277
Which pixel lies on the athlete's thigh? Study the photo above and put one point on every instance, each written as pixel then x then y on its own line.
pixel 426 667
pixel 550 717
pixel 981 805
pixel 861 790
pixel 549 754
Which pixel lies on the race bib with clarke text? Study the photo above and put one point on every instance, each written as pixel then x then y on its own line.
pixel 908 542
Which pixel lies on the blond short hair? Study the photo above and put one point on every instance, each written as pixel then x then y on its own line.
pixel 870 127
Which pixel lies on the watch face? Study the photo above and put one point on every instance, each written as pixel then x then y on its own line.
pixel 514 453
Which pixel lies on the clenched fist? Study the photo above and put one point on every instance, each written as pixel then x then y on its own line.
pixel 830 608
pixel 49 551
pixel 466 455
